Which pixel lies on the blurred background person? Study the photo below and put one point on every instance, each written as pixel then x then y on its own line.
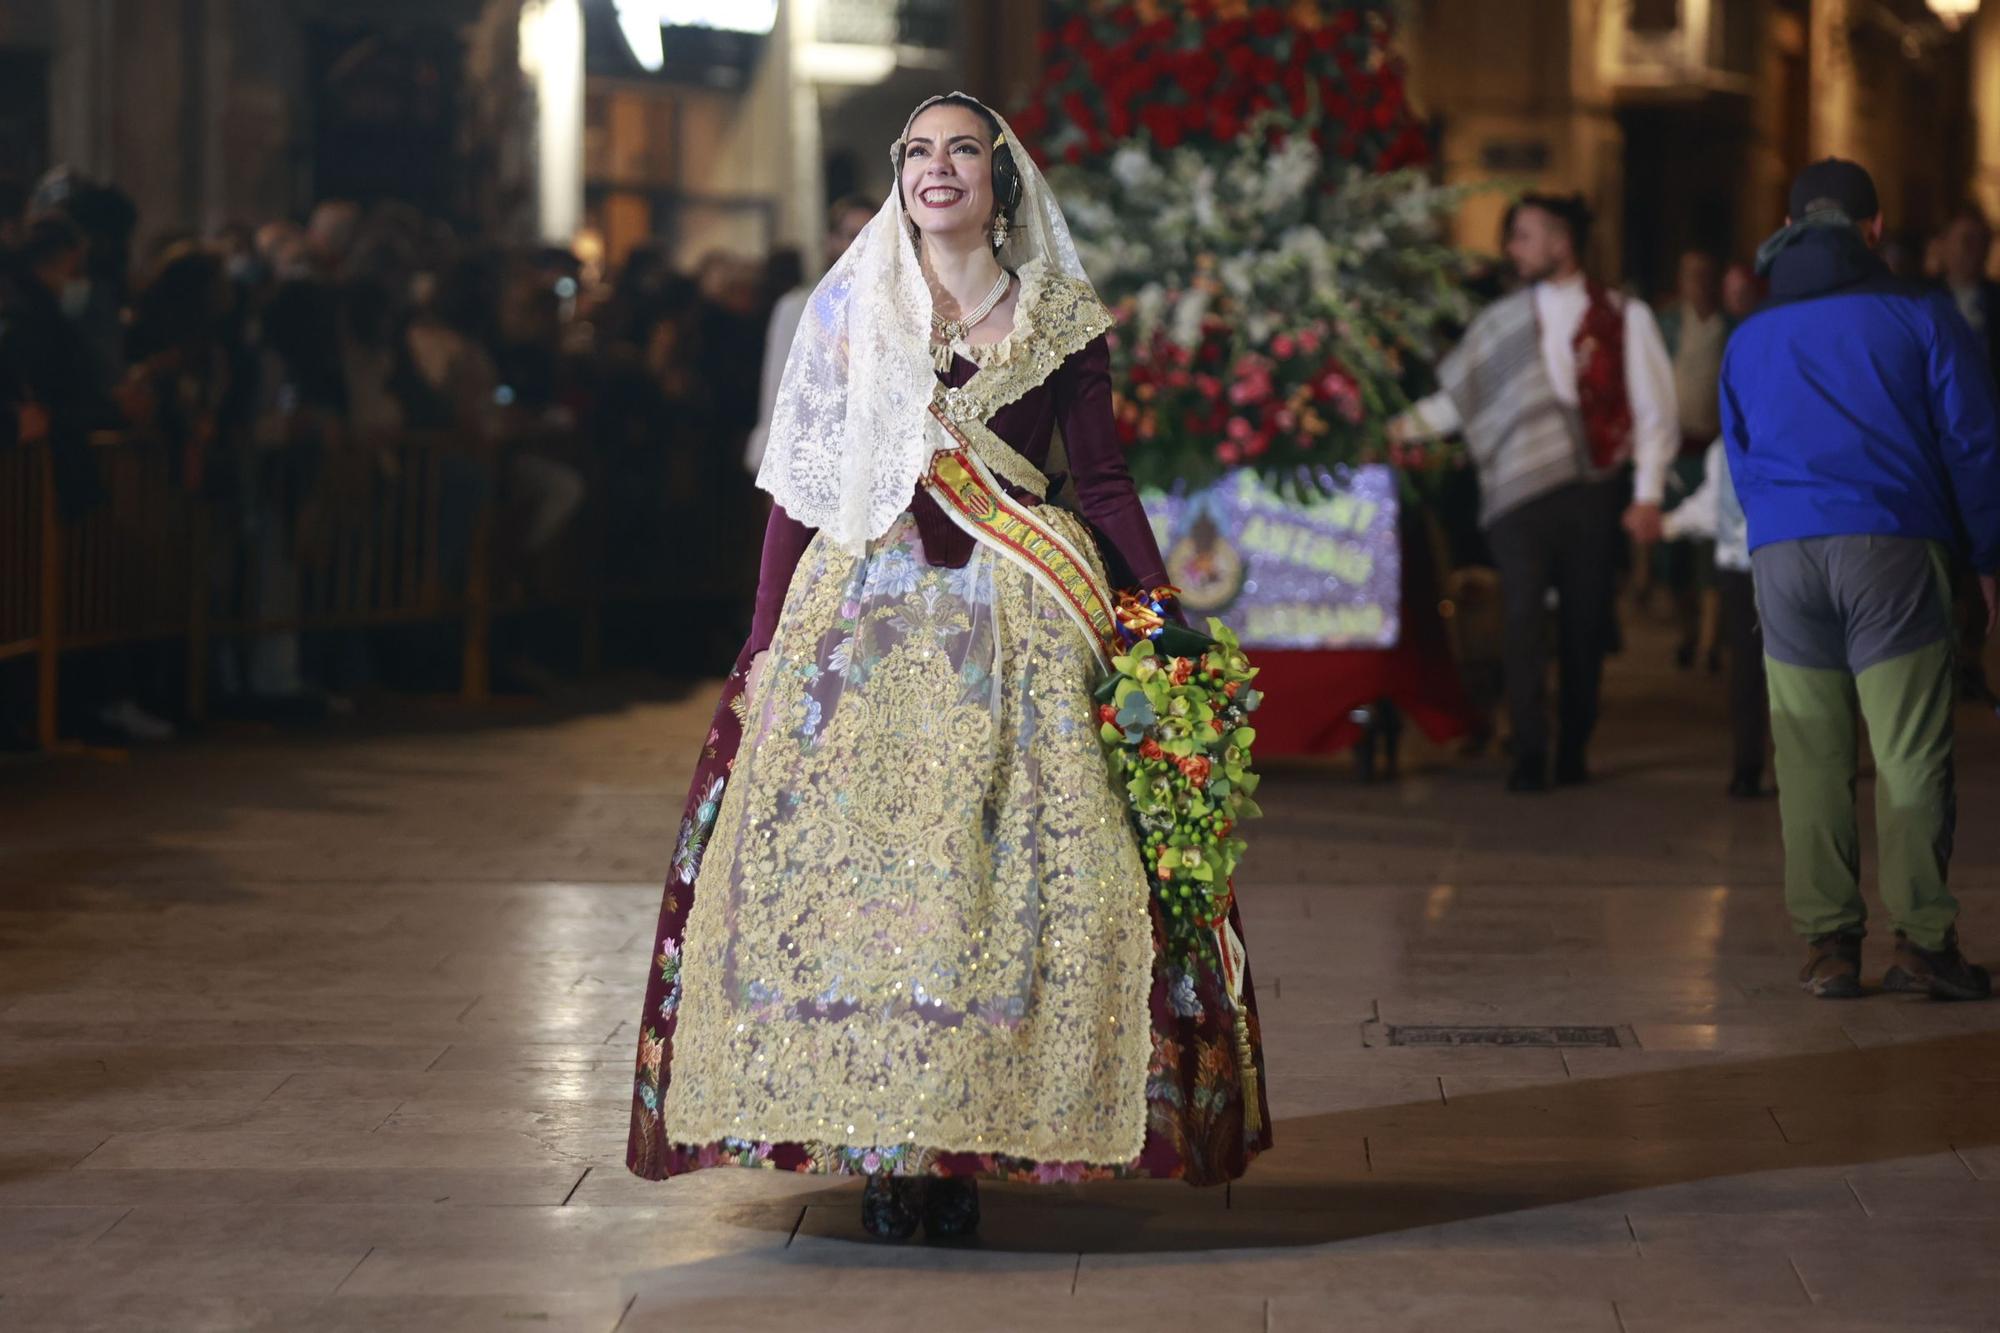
pixel 1742 291
pixel 61 394
pixel 1964 248
pixel 1903 254
pixel 548 488
pixel 51 363
pixel 1694 329
pixel 301 486
pixel 1551 429
pixel 1712 513
pixel 844 222
pixel 1860 420
pixel 330 234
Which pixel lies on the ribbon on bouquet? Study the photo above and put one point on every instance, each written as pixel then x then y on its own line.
pixel 1234 959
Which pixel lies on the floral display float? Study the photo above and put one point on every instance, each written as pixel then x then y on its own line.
pixel 1248 185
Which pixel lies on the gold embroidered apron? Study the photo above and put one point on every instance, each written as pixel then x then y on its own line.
pixel 922 918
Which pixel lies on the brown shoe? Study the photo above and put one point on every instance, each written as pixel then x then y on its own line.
pixel 1833 967
pixel 1942 974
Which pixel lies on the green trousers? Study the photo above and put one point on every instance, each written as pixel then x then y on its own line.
pixel 1907 702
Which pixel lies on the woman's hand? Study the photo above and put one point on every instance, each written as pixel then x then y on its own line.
pixel 755 674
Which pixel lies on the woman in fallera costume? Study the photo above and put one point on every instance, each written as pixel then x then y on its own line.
pixel 908 933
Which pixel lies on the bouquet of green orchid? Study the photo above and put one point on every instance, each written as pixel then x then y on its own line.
pixel 1174 718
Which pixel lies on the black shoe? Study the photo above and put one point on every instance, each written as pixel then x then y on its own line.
pixel 1833 967
pixel 1747 786
pixel 1684 656
pixel 951 1209
pixel 1531 773
pixel 1572 771
pixel 1942 974
pixel 891 1207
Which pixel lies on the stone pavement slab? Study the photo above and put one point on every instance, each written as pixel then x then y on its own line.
pixel 333 1030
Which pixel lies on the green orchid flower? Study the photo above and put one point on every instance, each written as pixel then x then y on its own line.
pixel 1136 713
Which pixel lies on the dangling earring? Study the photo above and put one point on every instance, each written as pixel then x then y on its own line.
pixel 1000 230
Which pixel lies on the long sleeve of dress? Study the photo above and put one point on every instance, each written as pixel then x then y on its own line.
pixel 1104 489
pixel 785 540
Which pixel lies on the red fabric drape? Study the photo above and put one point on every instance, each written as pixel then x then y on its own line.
pixel 1309 696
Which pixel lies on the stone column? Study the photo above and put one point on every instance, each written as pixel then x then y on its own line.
pixel 1597 142
pixel 802 215
pixel 1985 108
pixel 82 85
pixel 999 49
pixel 1780 116
pixel 1517 92
pixel 1835 94
pixel 255 67
pixel 153 90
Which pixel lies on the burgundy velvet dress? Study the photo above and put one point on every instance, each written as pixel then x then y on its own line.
pixel 1196 1126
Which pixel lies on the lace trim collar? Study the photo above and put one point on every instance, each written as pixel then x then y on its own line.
pixel 1054 317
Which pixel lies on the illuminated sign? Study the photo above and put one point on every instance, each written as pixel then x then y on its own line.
pixel 1285 573
pixel 641 20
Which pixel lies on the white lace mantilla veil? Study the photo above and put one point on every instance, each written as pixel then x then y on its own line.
pixel 848 443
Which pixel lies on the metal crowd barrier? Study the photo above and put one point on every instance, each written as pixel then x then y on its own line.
pixel 377 535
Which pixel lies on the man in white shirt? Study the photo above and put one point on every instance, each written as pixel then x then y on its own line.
pixel 1557 389
pixel 844 222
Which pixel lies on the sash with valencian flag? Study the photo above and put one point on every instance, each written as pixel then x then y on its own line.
pixel 962 480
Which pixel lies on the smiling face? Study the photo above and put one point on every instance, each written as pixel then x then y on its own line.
pixel 947 171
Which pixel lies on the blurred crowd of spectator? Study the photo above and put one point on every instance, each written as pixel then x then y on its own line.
pixel 284 370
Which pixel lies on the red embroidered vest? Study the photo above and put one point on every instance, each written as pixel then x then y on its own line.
pixel 1602 398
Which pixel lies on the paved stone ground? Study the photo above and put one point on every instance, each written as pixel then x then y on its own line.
pixel 333 1030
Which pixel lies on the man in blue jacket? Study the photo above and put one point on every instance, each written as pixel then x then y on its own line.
pixel 1859 419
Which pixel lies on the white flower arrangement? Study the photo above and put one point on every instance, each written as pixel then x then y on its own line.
pixel 1276 305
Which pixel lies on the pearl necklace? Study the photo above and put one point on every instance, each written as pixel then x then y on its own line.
pixel 950 331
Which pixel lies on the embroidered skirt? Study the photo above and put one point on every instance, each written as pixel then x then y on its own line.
pixel 908 928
